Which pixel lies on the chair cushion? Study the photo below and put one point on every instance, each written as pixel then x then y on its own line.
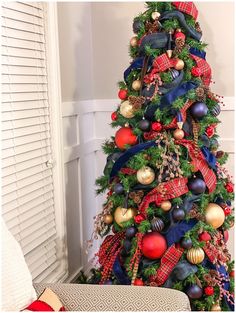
pixel 17 288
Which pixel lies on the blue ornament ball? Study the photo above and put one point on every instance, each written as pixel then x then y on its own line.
pixel 199 110
pixel 174 73
pixel 216 110
pixel 197 186
pixel 137 26
pixel 194 292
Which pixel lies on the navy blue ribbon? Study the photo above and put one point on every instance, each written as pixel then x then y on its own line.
pixel 154 41
pixel 178 91
pixel 137 63
pixel 198 53
pixel 210 158
pixel 181 18
pixel 128 154
pixel 120 273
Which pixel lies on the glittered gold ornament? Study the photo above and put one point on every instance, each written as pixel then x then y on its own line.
pixel 108 219
pixel 155 15
pixel 195 255
pixel 214 215
pixel 134 41
pixel 136 85
pixel 145 175
pixel 179 65
pixel 165 205
pixel 178 134
pixel 124 215
pixel 126 109
pixel 216 307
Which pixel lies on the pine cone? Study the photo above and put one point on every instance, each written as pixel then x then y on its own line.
pixel 198 28
pixel 179 45
pixel 200 93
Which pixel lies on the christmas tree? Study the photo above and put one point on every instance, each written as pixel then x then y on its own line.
pixel 168 209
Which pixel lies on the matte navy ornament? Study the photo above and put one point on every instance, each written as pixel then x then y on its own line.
pixel 178 214
pixel 194 292
pixel 197 185
pixel 127 245
pixel 186 243
pixel 144 125
pixel 199 110
pixel 130 232
pixel 118 189
pixel 137 26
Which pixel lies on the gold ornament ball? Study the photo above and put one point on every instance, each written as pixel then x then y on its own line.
pixel 195 255
pixel 124 215
pixel 214 215
pixel 108 219
pixel 134 41
pixel 145 175
pixel 178 134
pixel 179 65
pixel 136 85
pixel 165 205
pixel 155 15
pixel 126 109
pixel 216 307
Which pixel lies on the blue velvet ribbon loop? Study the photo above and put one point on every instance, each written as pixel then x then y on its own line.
pixel 198 53
pixel 210 158
pixel 120 273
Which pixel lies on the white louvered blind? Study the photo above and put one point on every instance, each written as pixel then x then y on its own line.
pixel 27 175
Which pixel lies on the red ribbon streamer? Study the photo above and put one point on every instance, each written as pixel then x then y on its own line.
pixel 187 7
pixel 128 171
pixel 164 191
pixel 168 262
pixel 162 63
pixel 200 163
pixel 204 69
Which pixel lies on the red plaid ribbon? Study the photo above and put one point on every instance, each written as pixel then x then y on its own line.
pixel 211 253
pixel 187 7
pixel 200 163
pixel 168 262
pixel 128 171
pixel 204 68
pixel 165 191
pixel 183 111
pixel 162 63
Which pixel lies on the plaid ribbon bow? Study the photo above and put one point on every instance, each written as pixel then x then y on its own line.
pixel 200 163
pixel 187 7
pixel 162 63
pixel 204 68
pixel 168 262
pixel 165 191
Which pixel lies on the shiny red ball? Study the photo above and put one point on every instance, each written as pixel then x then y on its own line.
pixel 179 35
pixel 114 116
pixel 138 282
pixel 209 291
pixel 205 236
pixel 156 126
pixel 125 136
pixel 227 211
pixel 139 218
pixel 226 235
pixel 153 245
pixel 122 94
pixel 231 274
pixel 229 187
pixel 196 71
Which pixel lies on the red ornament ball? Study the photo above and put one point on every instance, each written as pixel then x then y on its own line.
pixel 227 211
pixel 204 236
pixel 231 274
pixel 114 116
pixel 196 71
pixel 210 131
pixel 153 245
pixel 156 126
pixel 139 218
pixel 179 35
pixel 229 187
pixel 122 94
pixel 125 136
pixel 138 282
pixel 209 291
pixel 226 235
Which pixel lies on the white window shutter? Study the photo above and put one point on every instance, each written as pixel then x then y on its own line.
pixel 28 205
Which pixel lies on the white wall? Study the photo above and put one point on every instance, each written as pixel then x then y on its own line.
pixel 94 53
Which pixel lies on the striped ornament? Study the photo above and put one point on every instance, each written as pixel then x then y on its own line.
pixel 157 224
pixel 216 110
pixel 195 255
